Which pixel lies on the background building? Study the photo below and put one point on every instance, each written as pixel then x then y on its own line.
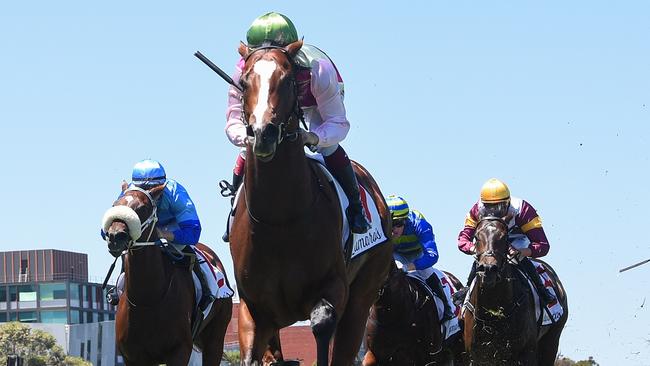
pixel 50 289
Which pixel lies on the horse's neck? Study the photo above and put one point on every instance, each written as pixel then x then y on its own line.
pixel 146 273
pixel 401 303
pixel 500 296
pixel 281 188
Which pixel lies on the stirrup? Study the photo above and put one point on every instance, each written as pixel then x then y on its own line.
pixel 112 297
pixel 227 189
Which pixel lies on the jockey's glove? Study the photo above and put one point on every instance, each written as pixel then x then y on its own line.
pixel 164 234
pixel 309 138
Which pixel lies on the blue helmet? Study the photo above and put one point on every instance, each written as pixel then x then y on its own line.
pixel 148 173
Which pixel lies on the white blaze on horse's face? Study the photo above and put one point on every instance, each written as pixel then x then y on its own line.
pixel 264 69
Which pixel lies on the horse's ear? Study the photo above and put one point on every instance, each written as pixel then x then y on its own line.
pixel 156 191
pixel 125 185
pixel 243 50
pixel 293 48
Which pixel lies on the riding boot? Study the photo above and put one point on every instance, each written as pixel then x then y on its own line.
pixel 436 286
pixel 206 295
pixel 236 182
pixel 343 172
pixel 472 274
pixel 529 269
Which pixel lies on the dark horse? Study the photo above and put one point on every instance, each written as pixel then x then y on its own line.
pixel 287 229
pixel 403 328
pixel 154 313
pixel 502 328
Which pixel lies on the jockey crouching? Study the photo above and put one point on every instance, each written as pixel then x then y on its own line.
pixel 321 100
pixel 525 231
pixel 414 247
pixel 178 222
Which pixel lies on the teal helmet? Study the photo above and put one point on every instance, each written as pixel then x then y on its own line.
pixel 273 28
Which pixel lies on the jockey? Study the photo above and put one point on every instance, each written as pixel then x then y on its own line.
pixel 178 221
pixel 415 247
pixel 526 234
pixel 321 99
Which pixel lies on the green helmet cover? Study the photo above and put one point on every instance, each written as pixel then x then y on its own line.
pixel 272 27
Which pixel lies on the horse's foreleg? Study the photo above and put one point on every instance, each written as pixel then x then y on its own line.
pixel 274 351
pixel 181 357
pixel 214 333
pixel 253 337
pixel 349 332
pixel 323 324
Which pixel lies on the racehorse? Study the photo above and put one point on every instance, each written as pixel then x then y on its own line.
pixel 500 323
pixel 153 321
pixel 287 227
pixel 403 328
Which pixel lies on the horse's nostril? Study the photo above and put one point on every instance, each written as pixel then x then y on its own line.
pixel 118 236
pixel 270 133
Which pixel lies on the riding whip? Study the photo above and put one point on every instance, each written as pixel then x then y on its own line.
pixel 216 69
pixel 634 265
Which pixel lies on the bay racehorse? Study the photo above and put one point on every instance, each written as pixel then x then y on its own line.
pixel 403 328
pixel 500 325
pixel 287 227
pixel 154 313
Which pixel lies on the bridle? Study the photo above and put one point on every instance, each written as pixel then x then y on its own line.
pixel 507 313
pixel 149 223
pixel 296 111
pixel 491 252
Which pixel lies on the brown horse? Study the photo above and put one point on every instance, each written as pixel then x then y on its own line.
pixel 501 327
pixel 403 328
pixel 155 310
pixel 287 229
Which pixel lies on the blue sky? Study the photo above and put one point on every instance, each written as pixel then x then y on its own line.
pixel 553 98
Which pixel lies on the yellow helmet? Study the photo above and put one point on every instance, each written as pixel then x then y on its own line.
pixel 494 191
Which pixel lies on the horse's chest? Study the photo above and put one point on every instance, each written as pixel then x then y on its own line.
pixel 499 341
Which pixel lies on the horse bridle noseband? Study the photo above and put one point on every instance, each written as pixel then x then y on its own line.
pixel 150 222
pixel 283 133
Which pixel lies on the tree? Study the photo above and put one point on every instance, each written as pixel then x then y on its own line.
pixel 76 361
pixel 35 346
pixel 565 361
pixel 232 357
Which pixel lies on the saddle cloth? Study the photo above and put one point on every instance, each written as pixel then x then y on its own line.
pixel 360 242
pixel 450 327
pixel 555 308
pixel 216 280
